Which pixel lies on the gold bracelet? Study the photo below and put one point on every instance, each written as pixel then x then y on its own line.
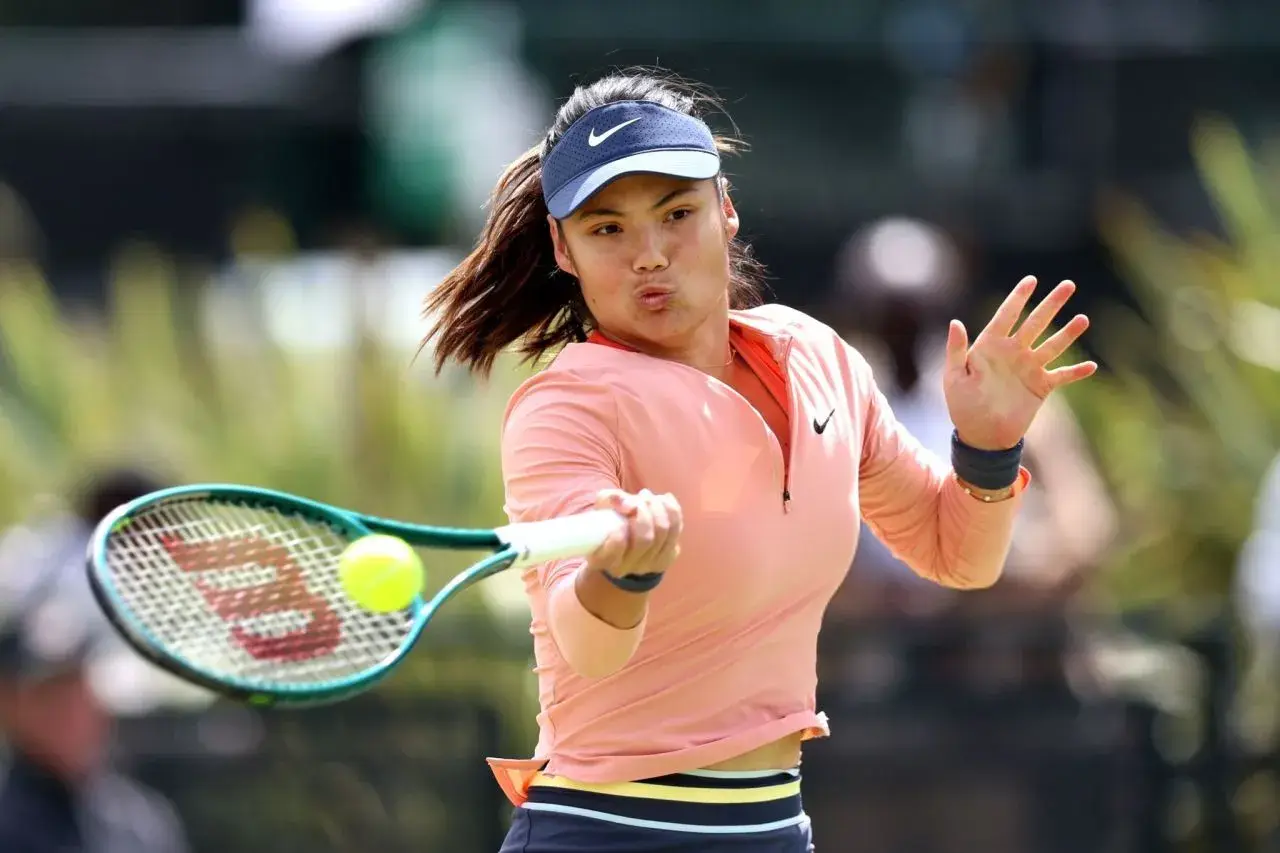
pixel 985 498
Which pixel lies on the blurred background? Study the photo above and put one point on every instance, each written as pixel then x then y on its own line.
pixel 218 219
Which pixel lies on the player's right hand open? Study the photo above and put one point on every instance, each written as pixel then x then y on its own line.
pixel 650 541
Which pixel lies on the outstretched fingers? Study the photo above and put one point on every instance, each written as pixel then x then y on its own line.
pixel 1060 376
pixel 1062 340
pixel 1039 320
pixel 1006 316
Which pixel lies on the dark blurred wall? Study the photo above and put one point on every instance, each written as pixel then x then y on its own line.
pixel 1070 99
pixel 121 13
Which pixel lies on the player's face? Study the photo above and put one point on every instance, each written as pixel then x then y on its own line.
pixel 651 254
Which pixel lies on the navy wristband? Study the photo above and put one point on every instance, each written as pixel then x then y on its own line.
pixel 985 469
pixel 634 583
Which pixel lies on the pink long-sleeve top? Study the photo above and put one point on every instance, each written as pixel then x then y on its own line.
pixel 725 659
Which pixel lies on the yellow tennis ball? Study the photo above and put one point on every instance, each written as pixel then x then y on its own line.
pixel 381 573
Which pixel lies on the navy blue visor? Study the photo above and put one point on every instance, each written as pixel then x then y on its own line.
pixel 625 138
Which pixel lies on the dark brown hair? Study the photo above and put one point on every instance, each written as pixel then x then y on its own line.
pixel 508 290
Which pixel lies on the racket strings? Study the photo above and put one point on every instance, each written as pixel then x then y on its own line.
pixel 248 593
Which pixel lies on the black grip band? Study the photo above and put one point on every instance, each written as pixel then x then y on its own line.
pixel 986 469
pixel 634 583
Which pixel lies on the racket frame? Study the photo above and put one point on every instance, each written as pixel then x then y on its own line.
pixel 350 524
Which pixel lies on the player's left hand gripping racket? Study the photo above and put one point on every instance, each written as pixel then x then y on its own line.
pixel 236 589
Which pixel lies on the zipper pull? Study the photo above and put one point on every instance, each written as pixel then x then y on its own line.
pixel 786 500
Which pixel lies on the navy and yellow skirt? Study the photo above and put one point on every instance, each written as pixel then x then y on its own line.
pixel 706 811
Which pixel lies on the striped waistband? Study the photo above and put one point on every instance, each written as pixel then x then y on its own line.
pixel 720 802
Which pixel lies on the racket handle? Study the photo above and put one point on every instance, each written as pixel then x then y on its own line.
pixel 557 538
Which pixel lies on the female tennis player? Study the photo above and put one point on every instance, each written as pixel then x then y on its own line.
pixel 743 442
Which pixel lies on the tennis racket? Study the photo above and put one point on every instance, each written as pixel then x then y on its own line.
pixel 236 589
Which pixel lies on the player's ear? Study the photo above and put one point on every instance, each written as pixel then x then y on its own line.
pixel 563 260
pixel 727 210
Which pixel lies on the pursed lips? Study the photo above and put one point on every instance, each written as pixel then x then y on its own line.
pixel 654 295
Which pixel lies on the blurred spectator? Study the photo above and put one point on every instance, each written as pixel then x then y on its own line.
pixel 60 791
pixel 896 281
pixel 899 282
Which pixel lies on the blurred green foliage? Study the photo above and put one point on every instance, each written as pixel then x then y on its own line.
pixel 150 381
pixel 1187 415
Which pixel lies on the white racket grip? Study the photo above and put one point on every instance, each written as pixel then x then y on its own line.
pixel 557 538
